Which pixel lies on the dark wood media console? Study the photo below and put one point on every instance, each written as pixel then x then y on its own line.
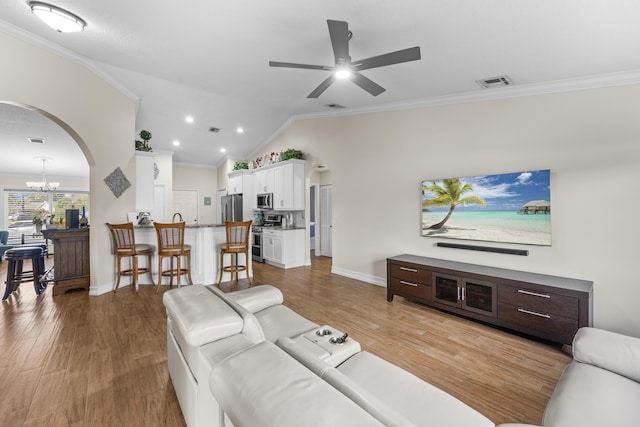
pixel 549 307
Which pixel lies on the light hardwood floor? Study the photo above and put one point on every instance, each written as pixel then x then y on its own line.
pixel 76 360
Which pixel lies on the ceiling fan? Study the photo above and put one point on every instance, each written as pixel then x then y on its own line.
pixel 347 69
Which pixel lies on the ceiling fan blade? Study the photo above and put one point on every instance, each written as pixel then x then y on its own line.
pixel 322 87
pixel 367 84
pixel 339 33
pixel 397 57
pixel 304 66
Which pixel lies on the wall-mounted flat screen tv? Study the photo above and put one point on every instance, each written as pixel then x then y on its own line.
pixel 505 208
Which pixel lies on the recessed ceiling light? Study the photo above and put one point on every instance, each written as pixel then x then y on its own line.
pixel 223 150
pixel 57 18
pixel 240 130
pixel 189 119
pixel 176 142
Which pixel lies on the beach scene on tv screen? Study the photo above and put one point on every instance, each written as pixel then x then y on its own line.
pixel 505 208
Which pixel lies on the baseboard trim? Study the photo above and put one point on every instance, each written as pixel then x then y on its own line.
pixel 374 280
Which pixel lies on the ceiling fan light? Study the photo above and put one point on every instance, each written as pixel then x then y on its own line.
pixel 342 73
pixel 57 18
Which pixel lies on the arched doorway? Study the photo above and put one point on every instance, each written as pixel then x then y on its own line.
pixel 29 140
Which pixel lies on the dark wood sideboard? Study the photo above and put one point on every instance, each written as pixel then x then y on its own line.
pixel 71 267
pixel 549 307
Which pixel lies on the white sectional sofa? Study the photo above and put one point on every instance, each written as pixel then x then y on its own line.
pixel 600 387
pixel 243 359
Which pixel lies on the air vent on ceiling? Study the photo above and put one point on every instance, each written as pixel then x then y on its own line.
pixel 36 140
pixel 335 106
pixel 492 82
pixel 214 129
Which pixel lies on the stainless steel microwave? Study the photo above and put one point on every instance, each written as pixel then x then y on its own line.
pixel 265 201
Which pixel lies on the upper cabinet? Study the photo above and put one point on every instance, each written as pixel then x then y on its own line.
pixel 288 186
pixel 240 182
pixel 285 180
pixel 144 181
pixel 264 181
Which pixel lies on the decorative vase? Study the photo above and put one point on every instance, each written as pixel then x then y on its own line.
pixel 38 228
pixel 52 226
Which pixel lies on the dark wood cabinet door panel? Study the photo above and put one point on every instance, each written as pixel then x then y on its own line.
pixel 539 300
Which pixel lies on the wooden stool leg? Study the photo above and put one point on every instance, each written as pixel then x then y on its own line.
pixel 134 262
pixel 118 269
pixel 36 268
pixel 11 271
pixel 179 268
pixel 150 270
pixel 246 258
pixel 221 266
pixel 159 273
pixel 189 267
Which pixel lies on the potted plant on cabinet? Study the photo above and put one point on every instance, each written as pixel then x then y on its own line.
pixel 144 145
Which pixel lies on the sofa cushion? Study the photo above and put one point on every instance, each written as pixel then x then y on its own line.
pixel 280 321
pixel 343 384
pixel 257 298
pixel 607 350
pixel 589 396
pixel 201 316
pixel 264 387
pixel 251 327
pixel 420 402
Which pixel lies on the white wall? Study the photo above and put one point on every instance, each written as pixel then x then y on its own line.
pixel 205 181
pixel 589 139
pixel 98 117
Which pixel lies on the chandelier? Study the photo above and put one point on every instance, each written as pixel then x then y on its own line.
pixel 43 185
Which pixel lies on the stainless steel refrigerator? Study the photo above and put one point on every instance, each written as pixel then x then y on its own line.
pixel 232 208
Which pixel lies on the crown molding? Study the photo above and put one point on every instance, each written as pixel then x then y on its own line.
pixel 56 49
pixel 567 85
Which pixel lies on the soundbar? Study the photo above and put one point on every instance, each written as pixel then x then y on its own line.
pixel 522 252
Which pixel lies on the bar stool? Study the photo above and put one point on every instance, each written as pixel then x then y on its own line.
pixel 171 244
pixel 15 273
pixel 237 243
pixel 124 246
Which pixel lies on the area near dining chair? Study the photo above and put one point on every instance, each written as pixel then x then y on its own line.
pixel 171 244
pixel 237 243
pixel 125 246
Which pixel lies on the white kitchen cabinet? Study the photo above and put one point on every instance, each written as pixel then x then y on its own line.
pixel 264 181
pixel 144 181
pixel 239 181
pixel 288 189
pixel 283 248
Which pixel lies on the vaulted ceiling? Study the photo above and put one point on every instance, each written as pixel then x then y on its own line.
pixel 209 59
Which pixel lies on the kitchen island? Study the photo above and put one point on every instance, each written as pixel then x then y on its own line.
pixel 205 241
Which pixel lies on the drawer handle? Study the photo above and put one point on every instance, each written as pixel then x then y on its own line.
pixel 535 294
pixel 413 270
pixel 533 313
pixel 408 283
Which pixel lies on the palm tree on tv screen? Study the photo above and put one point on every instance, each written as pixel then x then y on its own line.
pixel 449 194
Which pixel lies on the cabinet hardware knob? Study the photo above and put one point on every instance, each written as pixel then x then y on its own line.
pixel 533 313
pixel 535 294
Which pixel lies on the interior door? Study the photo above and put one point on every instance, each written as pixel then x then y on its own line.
pixel 325 220
pixel 186 202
